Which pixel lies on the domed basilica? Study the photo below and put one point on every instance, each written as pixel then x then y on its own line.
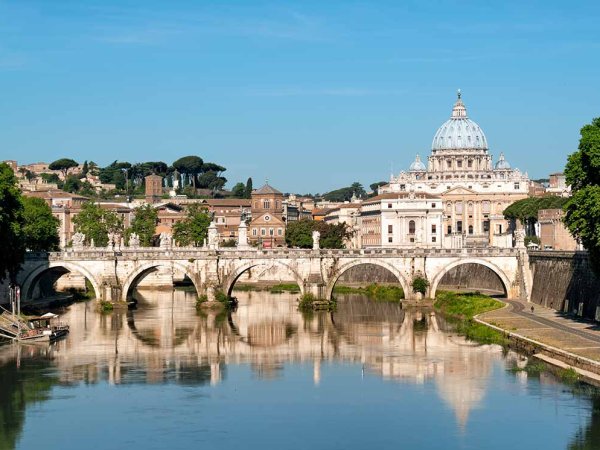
pixel 472 190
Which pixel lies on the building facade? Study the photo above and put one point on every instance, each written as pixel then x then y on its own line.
pixel 267 227
pixel 474 191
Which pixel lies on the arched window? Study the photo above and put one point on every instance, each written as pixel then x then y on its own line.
pixel 411 227
pixel 470 229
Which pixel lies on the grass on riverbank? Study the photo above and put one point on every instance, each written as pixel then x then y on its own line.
pixel 273 289
pixel 462 308
pixel 374 291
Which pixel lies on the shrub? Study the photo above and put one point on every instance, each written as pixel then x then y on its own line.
pixel 420 285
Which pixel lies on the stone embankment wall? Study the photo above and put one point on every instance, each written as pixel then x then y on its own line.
pixel 472 276
pixel 564 281
pixel 366 274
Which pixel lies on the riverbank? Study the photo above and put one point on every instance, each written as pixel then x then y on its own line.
pixel 475 317
pixel 550 336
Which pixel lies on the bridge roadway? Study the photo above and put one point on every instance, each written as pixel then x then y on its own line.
pixel 114 273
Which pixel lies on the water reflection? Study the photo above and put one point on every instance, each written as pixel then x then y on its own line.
pixel 166 341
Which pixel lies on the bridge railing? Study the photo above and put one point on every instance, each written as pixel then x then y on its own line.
pixel 193 253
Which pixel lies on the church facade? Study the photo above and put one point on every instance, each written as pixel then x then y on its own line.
pixel 474 191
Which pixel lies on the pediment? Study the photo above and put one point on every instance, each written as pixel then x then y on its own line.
pixel 272 220
pixel 460 190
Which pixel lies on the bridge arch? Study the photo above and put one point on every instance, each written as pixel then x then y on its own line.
pixel 482 262
pixel 32 279
pixel 236 273
pixel 358 262
pixel 145 269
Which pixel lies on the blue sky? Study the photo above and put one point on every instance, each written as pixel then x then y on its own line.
pixel 309 95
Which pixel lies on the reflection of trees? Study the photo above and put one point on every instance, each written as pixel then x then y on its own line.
pixel 589 437
pixel 19 388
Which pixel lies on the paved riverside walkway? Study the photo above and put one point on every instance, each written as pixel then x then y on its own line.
pixel 549 327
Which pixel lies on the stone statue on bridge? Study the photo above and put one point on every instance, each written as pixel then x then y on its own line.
pixel 134 240
pixel 165 240
pixel 213 236
pixel 78 241
pixel 243 236
pixel 520 238
pixel 316 236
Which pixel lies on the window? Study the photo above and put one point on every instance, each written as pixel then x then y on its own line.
pixel 459 163
pixel 263 232
pixel 271 232
pixel 449 164
pixel 389 205
pixel 254 232
pixel 459 226
pixel 470 229
pixel 267 218
pixel 433 228
pixel 517 186
pixel 433 239
pixel 390 239
pixel 411 227
pixel 402 187
pixel 486 226
pixel 433 205
pixel 266 204
pixel 279 231
pixel 390 229
pixel 449 229
pixel 470 163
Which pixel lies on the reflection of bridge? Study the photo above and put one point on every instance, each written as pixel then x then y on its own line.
pixel 165 340
pixel 114 274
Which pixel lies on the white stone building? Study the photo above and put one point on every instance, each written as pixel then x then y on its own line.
pixel 402 219
pixel 473 190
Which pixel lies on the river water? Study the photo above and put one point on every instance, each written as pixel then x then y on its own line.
pixel 370 375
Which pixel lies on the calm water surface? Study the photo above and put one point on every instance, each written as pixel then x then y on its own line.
pixel 370 375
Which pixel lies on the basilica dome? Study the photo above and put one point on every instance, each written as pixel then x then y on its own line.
pixel 417 165
pixel 459 132
pixel 502 163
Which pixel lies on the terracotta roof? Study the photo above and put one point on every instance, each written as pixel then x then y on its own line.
pixel 266 189
pixel 228 202
pixel 321 211
pixel 53 194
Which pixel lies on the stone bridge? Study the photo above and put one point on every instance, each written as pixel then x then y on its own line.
pixel 114 274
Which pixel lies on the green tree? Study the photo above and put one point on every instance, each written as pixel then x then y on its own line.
pixel 96 223
pixel 144 224
pixel 40 227
pixel 192 230
pixel 72 184
pixel 210 180
pixel 377 185
pixel 11 224
pixel 239 190
pixel 63 164
pixel 50 178
pixel 189 165
pixel 299 234
pixel 358 189
pixel 583 175
pixel 527 209
pixel 85 169
pixel 248 191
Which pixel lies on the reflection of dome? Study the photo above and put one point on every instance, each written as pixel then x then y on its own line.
pixel 417 165
pixel 459 132
pixel 502 163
